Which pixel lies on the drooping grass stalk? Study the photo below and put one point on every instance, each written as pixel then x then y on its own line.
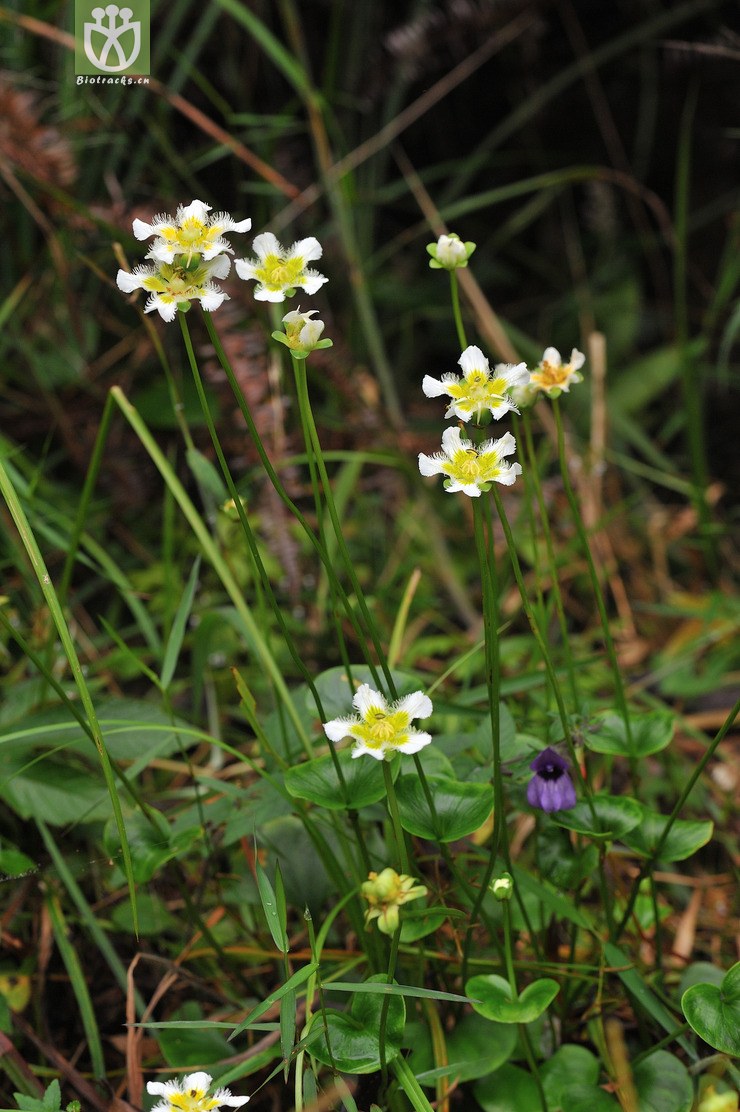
pixel 284 496
pixel 593 575
pixel 532 472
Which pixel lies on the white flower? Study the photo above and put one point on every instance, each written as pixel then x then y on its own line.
pixel 468 468
pixel 171 286
pixel 449 253
pixel 278 272
pixel 191 232
pixel 479 389
pixel 191 1095
pixel 553 377
pixel 380 729
pixel 302 335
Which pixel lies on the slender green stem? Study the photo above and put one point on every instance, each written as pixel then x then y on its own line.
pixel 455 295
pixel 511 976
pixel 534 477
pixel 395 817
pixel 677 808
pixel 593 575
pixel 304 403
pixel 392 961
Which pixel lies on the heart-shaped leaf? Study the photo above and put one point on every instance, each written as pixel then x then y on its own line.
pixel 507 1089
pixel 318 782
pixel 648 733
pixel 684 837
pixel 459 808
pixel 354 1036
pixel 496 1000
pixel 714 1013
pixel 663 1084
pixel 569 1061
pixel 614 817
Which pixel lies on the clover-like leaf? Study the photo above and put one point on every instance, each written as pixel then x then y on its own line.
pixel 495 999
pixel 714 1013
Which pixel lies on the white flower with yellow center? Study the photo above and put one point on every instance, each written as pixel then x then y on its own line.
pixel 381 729
pixel 469 468
pixel 191 1095
pixel 278 272
pixel 191 232
pixel 171 286
pixel 553 377
pixel 479 390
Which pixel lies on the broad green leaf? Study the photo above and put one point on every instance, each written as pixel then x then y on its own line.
pixel 684 838
pixel 304 874
pixel 460 808
pixel 714 1013
pixel 317 781
pixel 13 863
pixel 414 929
pixel 663 1084
pixel 559 860
pixel 509 1089
pixel 477 1046
pixel 57 793
pixel 496 1001
pixel 700 973
pixel 482 737
pixel 648 733
pixel 353 1036
pixel 154 918
pixel 582 1097
pixel 615 816
pixel 567 1063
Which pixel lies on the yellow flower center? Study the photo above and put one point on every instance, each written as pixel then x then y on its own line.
pixel 277 273
pixel 550 375
pixel 476 390
pixel 380 728
pixel 193 1100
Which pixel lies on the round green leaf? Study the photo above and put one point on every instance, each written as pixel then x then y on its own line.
pixel 475 1047
pixel 615 816
pixel 354 1035
pixel 317 781
pixel 700 973
pixel 568 1062
pixel 414 929
pixel 663 1084
pixel 496 1001
pixel 509 1089
pixel 684 837
pixel 649 733
pixel 460 808
pixel 714 1013
pixel 579 1096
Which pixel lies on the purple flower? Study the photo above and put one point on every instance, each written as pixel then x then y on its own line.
pixel 551 788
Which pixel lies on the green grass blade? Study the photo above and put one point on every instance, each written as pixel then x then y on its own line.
pixel 79 986
pixel 177 633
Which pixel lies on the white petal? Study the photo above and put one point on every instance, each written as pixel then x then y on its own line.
pixel 162 1088
pixel 160 251
pixel 197 209
pixel 128 282
pixel 414 742
pixel 219 267
pixel 306 249
pixel 506 446
pixel 246 269
pixel 212 299
pixel 142 230
pixel 238 226
pixel 428 465
pixel 416 705
pixel 166 309
pixel 312 282
pixel 365 698
pixel 199 1080
pixel 362 750
pixel 338 728
pixel 473 359
pixel 266 244
pixel 552 356
pixel 577 359
pixel 508 475
pixel 261 293
pixel 310 334
pixel 514 374
pixel 470 489
pixel 432 387
pixel 452 441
